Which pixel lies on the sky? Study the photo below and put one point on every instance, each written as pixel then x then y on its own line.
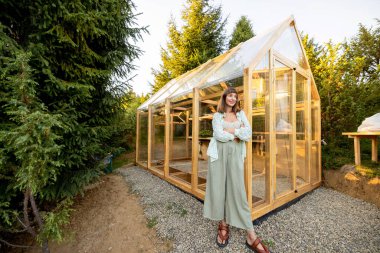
pixel 323 20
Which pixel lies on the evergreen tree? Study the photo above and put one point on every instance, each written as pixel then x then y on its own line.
pixel 59 102
pixel 242 32
pixel 199 39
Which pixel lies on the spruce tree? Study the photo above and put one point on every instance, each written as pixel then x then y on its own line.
pixel 242 32
pixel 199 39
pixel 60 101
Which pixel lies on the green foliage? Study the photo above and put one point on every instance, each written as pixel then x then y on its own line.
pixel 60 101
pixel 55 220
pixel 242 32
pixel 348 80
pixel 199 39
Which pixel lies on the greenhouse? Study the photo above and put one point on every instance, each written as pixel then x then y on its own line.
pixel 278 94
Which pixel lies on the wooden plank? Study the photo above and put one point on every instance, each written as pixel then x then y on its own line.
pixel 270 179
pixel 168 120
pixel 308 136
pixel 218 94
pixel 286 61
pixel 374 149
pixel 293 143
pixel 224 85
pixel 137 136
pixel 357 150
pixel 150 132
pixel 264 209
pixel 247 82
pixel 208 101
pixel 187 132
pixel 195 136
pixel 361 133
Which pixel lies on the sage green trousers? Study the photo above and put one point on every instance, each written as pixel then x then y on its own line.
pixel 225 192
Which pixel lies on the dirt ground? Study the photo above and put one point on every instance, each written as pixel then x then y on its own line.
pixel 109 219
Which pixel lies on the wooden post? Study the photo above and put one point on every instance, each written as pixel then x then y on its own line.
pixel 187 132
pixel 293 143
pixel 150 130
pixel 357 150
pixel 168 147
pixel 248 111
pixel 309 138
pixel 374 149
pixel 270 183
pixel 195 135
pixel 137 135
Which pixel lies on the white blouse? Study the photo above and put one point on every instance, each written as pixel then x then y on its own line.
pixel 243 133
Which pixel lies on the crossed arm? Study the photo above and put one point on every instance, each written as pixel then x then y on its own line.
pixel 243 133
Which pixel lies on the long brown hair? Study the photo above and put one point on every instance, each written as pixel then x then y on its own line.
pixel 222 101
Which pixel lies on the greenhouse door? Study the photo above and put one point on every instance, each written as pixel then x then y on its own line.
pixel 289 153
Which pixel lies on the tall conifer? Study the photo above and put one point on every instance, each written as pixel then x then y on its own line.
pixel 199 39
pixel 242 32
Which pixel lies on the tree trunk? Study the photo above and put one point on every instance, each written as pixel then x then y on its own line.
pixel 45 246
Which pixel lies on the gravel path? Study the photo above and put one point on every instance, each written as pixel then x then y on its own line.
pixel 322 221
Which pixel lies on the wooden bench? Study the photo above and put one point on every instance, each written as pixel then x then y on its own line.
pixel 359 135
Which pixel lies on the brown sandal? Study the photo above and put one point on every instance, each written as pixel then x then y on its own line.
pixel 254 247
pixel 222 237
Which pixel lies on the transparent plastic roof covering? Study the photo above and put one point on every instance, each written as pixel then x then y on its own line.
pixel 235 61
pixel 289 46
pixel 166 90
pixel 197 77
pixel 241 59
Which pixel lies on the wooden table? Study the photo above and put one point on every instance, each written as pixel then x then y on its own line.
pixel 359 135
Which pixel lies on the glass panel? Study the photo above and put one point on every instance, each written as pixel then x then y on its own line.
pixel 283 127
pixel 158 137
pixel 302 170
pixel 180 141
pixel 207 107
pixel 220 87
pixel 143 138
pixel 315 138
pixel 260 135
pixel 288 46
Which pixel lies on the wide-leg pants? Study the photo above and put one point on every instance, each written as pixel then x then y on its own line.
pixel 225 192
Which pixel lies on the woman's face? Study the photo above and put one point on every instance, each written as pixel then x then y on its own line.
pixel 231 99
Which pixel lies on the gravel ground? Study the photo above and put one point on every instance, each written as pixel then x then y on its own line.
pixel 321 221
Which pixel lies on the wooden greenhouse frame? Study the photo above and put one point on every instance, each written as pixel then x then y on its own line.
pixel 272 73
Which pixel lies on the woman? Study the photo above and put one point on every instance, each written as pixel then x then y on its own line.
pixel 225 198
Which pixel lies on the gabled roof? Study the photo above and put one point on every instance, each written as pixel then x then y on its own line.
pixel 230 64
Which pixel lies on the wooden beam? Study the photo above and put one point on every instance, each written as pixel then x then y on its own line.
pixel 293 143
pixel 168 126
pixel 137 136
pixel 247 84
pixel 208 101
pixel 187 132
pixel 374 149
pixel 308 125
pixel 224 85
pixel 179 108
pixel 150 130
pixel 265 208
pixel 195 135
pixel 270 179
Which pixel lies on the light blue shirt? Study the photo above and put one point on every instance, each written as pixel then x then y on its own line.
pixel 243 133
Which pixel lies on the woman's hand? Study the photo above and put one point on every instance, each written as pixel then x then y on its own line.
pixel 230 130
